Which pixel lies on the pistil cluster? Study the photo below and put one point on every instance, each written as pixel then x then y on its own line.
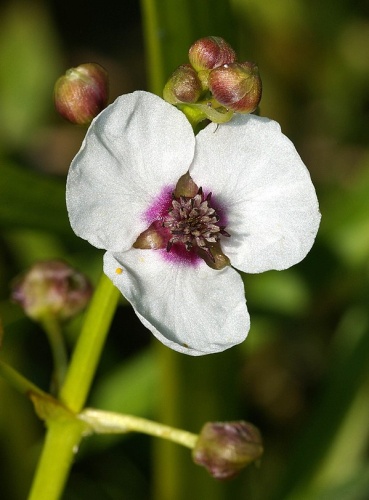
pixel 194 223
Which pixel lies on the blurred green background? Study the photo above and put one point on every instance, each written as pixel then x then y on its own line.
pixel 302 376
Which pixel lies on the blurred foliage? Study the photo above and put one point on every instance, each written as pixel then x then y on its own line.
pixel 302 375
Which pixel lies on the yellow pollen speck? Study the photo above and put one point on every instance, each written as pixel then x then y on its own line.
pixel 119 270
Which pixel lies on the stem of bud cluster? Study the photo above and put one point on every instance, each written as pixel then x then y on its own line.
pixel 54 333
pixel 200 111
pixel 213 113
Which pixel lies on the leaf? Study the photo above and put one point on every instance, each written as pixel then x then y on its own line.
pixel 30 200
pixel 28 69
pixel 129 389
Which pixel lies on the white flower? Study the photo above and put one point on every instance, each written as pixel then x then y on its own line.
pixel 122 181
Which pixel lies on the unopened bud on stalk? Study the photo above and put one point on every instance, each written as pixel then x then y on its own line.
pixel 82 93
pixel 183 86
pixel 236 86
pixel 224 448
pixel 210 52
pixel 51 288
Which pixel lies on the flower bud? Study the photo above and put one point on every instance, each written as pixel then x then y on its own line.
pixel 51 288
pixel 224 448
pixel 82 93
pixel 236 86
pixel 183 86
pixel 210 52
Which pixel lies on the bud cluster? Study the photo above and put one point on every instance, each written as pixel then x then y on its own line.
pixel 214 80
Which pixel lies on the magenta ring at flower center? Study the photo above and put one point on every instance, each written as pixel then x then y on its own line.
pixel 157 213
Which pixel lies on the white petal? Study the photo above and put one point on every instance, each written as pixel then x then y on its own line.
pixel 134 151
pixel 191 309
pixel 257 176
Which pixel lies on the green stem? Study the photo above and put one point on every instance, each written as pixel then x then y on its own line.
pixel 63 435
pixel 61 444
pixel 54 334
pixel 154 54
pixel 89 346
pixel 106 422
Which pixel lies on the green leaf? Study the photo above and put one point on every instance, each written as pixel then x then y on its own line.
pixel 28 69
pixel 130 388
pixel 346 375
pixel 346 229
pixel 30 200
pixel 356 487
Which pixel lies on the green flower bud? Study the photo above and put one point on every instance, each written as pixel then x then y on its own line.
pixel 82 93
pixel 210 52
pixel 183 86
pixel 236 86
pixel 224 448
pixel 51 288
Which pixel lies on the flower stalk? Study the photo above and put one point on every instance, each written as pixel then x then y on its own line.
pixel 64 434
pixel 106 422
pixel 89 346
pixel 61 444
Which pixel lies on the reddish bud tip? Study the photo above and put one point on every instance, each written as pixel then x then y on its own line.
pixel 210 52
pixel 237 86
pixel 51 288
pixel 183 86
pixel 82 93
pixel 224 448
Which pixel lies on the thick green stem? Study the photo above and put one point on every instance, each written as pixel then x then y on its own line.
pixel 63 435
pixel 89 346
pixel 60 446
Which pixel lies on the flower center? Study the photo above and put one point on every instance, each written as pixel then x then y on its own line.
pixel 193 223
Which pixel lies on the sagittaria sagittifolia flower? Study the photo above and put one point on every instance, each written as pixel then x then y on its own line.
pixel 250 200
